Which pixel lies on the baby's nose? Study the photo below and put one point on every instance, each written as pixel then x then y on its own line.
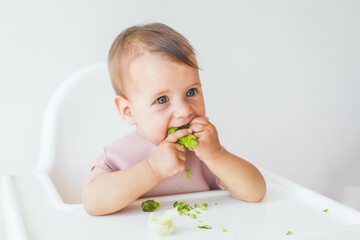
pixel 182 110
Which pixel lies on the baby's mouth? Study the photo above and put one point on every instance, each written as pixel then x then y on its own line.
pixel 173 129
pixel 182 127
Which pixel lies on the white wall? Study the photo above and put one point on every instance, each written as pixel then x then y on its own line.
pixel 282 78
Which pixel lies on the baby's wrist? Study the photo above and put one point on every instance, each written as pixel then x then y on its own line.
pixel 155 171
pixel 215 156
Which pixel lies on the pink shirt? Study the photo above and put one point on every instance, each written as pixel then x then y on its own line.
pixel 133 149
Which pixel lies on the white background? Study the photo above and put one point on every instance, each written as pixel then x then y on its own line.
pixel 281 78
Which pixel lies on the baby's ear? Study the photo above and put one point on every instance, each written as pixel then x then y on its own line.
pixel 124 109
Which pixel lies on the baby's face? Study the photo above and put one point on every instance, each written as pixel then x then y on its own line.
pixel 163 94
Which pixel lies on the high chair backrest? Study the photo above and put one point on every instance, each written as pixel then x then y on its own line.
pixel 80 118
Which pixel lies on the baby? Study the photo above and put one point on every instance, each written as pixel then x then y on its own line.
pixel 156 78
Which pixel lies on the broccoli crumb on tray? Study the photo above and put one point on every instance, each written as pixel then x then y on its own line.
pixel 188 141
pixel 163 225
pixel 203 207
pixel 205 227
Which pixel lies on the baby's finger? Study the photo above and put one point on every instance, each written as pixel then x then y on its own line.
pixel 191 149
pixel 178 134
pixel 197 127
pixel 197 135
pixel 182 156
pixel 201 120
pixel 180 148
pixel 181 166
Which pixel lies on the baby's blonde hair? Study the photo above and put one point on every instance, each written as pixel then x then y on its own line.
pixel 153 38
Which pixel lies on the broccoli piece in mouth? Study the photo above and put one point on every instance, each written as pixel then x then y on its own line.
pixel 188 141
pixel 149 205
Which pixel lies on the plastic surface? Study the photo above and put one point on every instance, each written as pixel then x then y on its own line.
pixel 41 214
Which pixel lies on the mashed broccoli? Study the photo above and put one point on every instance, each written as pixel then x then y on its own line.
pixel 163 225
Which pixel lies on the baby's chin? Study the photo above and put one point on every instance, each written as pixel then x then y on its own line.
pixel 157 140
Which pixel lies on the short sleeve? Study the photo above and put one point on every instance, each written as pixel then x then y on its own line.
pixel 102 163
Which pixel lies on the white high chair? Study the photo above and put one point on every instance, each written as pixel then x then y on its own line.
pixel 79 120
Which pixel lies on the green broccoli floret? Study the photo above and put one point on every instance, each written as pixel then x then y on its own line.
pixel 188 141
pixel 149 205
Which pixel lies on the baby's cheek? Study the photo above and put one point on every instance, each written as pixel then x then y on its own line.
pixel 201 112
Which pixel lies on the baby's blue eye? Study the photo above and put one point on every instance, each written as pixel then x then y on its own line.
pixel 162 100
pixel 191 92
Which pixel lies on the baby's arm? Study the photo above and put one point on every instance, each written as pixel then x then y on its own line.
pixel 242 179
pixel 107 192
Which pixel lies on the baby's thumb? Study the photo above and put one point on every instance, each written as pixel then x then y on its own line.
pixel 177 135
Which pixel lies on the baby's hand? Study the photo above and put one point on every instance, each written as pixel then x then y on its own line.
pixel 169 158
pixel 208 147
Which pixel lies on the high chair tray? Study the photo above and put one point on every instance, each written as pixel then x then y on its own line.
pixel 34 210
